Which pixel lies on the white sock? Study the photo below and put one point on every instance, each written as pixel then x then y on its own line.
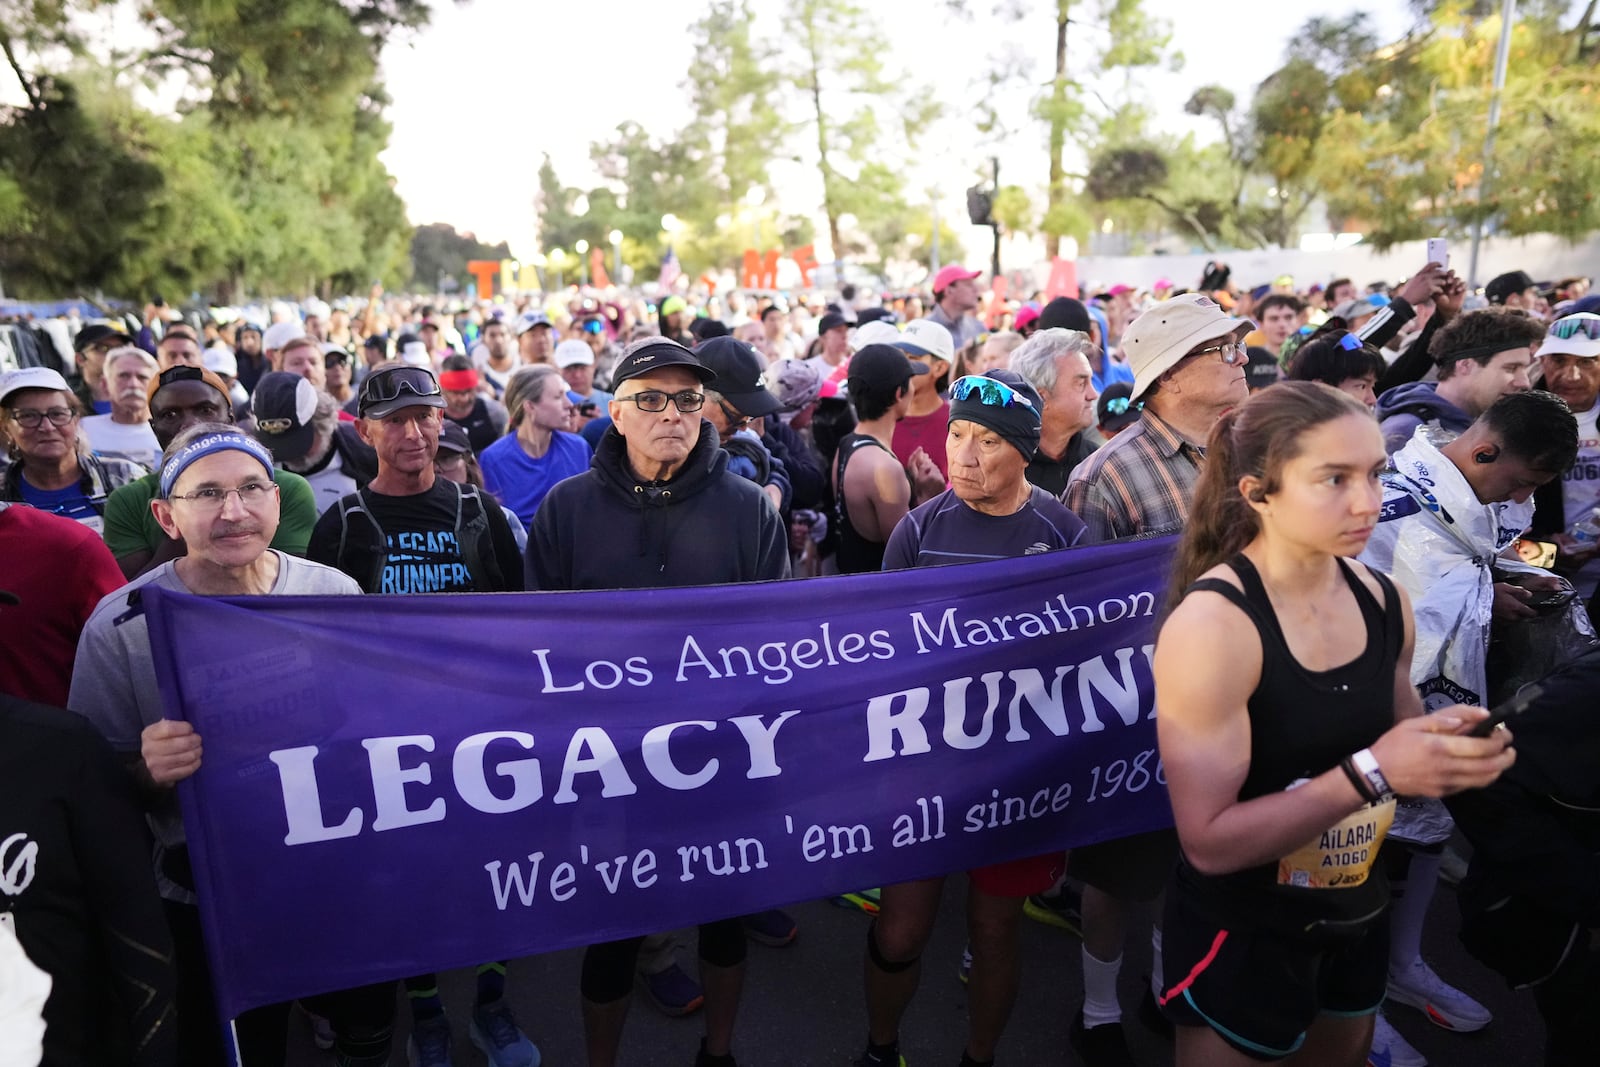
pixel 1156 985
pixel 1100 1004
pixel 1410 910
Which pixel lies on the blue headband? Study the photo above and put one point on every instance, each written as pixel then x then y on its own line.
pixel 208 445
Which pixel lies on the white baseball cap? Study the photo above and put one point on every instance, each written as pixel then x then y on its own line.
pixel 30 378
pixel 573 354
pixel 220 358
pixel 877 332
pixel 924 337
pixel 1574 335
pixel 281 333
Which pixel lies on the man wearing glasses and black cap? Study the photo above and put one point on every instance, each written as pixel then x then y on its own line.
pixel 92 344
pixel 658 507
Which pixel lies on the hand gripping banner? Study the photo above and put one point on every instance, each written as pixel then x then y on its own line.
pixel 530 772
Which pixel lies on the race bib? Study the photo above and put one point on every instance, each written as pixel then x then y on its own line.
pixel 1342 855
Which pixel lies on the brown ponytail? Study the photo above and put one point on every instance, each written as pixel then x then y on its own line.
pixel 1256 438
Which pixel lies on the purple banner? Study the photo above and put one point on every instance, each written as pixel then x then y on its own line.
pixel 398 785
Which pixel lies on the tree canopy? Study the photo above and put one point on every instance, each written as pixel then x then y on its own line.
pixel 265 179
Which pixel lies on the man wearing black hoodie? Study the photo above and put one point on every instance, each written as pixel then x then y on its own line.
pixel 658 507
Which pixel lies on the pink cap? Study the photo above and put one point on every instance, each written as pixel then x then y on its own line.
pixel 1118 290
pixel 950 275
pixel 1163 283
pixel 1028 314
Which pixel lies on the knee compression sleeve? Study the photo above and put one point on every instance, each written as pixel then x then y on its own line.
pixel 722 943
pixel 879 960
pixel 608 970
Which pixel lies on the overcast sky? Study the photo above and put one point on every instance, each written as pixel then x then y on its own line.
pixel 492 85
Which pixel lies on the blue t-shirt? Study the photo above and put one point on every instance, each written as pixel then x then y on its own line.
pixel 69 502
pixel 945 531
pixel 519 481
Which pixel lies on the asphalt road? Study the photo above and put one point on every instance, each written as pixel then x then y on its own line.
pixel 802 1003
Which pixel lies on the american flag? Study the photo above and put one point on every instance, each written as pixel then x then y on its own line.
pixel 671 271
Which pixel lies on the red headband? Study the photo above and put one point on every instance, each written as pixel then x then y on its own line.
pixel 459 381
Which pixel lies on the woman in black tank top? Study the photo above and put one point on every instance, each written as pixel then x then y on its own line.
pixel 1287 723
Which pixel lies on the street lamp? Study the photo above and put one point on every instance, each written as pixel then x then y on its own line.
pixel 583 258
pixel 616 258
pixel 671 223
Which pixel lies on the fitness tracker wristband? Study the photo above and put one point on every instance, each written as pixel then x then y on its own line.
pixel 1366 765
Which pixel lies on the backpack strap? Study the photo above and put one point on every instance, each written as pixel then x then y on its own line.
pixel 355 503
pixel 472 537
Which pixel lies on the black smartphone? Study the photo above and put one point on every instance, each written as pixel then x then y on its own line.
pixel 1552 600
pixel 588 410
pixel 1510 709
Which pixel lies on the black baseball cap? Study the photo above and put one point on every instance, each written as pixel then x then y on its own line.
pixel 1065 313
pixel 882 366
pixel 652 353
pixel 1505 285
pixel 1262 369
pixel 284 405
pixel 452 438
pixel 738 369
pixel 832 320
pixel 96 332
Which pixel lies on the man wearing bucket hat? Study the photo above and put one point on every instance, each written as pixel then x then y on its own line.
pixel 1188 357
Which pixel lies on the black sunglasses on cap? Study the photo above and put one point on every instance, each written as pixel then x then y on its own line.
pixel 388 384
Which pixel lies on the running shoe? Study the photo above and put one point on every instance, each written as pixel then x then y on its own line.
pixel 321 1029
pixel 1444 1005
pixel 673 992
pixel 872 1059
pixel 771 927
pixel 862 900
pixel 966 963
pixel 706 1059
pixel 429 1045
pixel 495 1033
pixel 1100 1046
pixel 1389 1049
pixel 1062 909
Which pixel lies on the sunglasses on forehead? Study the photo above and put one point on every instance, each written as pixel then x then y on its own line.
pixel 1574 325
pixel 384 386
pixel 989 392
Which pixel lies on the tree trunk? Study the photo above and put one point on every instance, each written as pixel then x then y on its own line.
pixel 829 206
pixel 1058 128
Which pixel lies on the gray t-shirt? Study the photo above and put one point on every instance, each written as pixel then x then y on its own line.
pixel 114 678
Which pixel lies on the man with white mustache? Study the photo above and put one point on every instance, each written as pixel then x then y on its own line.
pixel 126 431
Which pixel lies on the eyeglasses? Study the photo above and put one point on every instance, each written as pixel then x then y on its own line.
pixel 736 419
pixel 212 498
pixel 1233 353
pixel 382 387
pixel 989 391
pixel 653 400
pixel 1572 325
pixel 29 419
